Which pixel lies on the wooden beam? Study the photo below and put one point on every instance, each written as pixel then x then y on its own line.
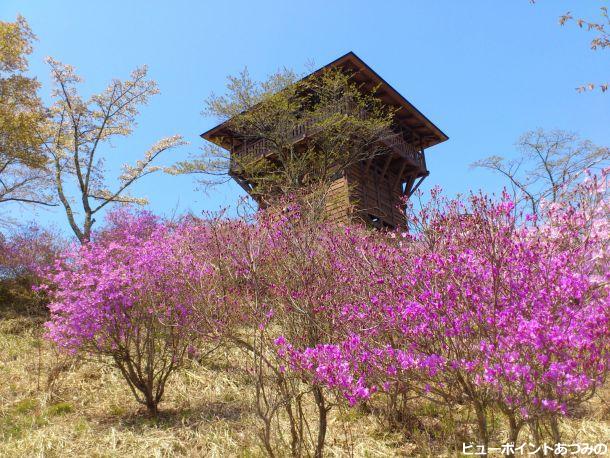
pixel 243 183
pixel 386 165
pixel 404 114
pixel 423 155
pixel 363 187
pixel 402 169
pixel 380 93
pixel 418 183
pixel 368 166
pixel 408 186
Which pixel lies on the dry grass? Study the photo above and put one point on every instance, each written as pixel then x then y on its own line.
pixel 53 406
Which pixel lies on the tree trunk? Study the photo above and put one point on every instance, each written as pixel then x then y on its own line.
pixel 535 430
pixel 483 435
pixel 322 420
pixel 295 439
pixel 87 228
pixel 555 429
pixel 513 432
pixel 151 405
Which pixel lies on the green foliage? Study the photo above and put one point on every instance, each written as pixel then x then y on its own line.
pixel 20 108
pixel 26 405
pixel 21 418
pixel 60 408
pixel 21 115
pixel 295 135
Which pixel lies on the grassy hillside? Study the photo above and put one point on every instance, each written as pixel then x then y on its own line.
pixel 54 405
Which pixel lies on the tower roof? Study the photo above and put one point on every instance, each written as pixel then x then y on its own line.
pixel 407 115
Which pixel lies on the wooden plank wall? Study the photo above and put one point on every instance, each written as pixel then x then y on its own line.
pixel 372 193
pixel 337 201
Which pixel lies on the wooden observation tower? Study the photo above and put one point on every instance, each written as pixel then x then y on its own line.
pixel 370 191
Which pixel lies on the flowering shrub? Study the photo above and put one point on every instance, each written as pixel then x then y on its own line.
pixel 23 254
pixel 125 296
pixel 475 305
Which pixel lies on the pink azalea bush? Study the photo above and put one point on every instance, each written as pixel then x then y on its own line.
pixel 474 305
pixel 125 296
pixel 148 293
pixel 24 252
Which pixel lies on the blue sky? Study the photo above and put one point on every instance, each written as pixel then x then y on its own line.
pixel 483 71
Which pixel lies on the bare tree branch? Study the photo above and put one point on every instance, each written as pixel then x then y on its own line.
pixel 547 165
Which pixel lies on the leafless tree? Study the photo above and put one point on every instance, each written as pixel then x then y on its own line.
pixel 547 165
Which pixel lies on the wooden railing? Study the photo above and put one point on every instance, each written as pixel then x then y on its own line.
pixel 396 141
pixel 406 150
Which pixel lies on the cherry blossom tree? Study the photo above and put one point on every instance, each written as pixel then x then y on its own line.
pixel 78 129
